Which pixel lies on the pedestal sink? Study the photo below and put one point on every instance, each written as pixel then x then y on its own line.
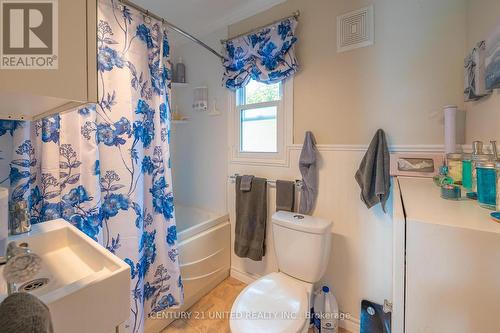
pixel 86 288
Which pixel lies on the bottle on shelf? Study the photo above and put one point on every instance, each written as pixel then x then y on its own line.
pixel 180 72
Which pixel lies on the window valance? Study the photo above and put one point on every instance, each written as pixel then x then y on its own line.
pixel 266 56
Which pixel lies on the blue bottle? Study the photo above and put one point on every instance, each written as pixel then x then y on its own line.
pixel 486 185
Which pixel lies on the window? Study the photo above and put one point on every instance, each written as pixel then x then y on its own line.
pixel 258 105
pixel 259 130
pixel 262 125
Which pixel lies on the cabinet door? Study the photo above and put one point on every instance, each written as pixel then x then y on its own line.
pixel 452 281
pixel 37 91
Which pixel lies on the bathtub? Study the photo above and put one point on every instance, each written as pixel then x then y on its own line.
pixel 204 257
pixel 193 221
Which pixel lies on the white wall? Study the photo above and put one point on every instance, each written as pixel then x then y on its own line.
pixel 199 146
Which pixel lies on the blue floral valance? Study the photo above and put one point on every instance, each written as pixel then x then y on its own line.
pixel 266 56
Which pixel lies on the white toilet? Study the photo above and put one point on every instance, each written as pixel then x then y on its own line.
pixel 280 302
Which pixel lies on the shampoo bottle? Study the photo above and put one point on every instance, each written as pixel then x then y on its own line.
pixel 180 71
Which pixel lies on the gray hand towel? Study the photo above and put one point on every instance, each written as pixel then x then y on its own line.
pixel 24 313
pixel 246 183
pixel 373 175
pixel 285 195
pixel 309 171
pixel 251 219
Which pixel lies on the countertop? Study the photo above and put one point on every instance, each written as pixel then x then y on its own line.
pixel 423 203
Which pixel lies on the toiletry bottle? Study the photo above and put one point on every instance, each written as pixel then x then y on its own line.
pixel 478 156
pixel 180 71
pixel 467 171
pixel 497 165
pixel 454 162
pixel 442 178
pixel 494 150
pixel 486 184
pixel 19 218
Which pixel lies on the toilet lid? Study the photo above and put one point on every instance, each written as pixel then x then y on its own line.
pixel 275 303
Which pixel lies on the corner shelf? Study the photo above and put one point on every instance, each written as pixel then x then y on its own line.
pixel 185 121
pixel 179 85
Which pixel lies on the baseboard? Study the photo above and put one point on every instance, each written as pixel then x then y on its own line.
pixel 351 325
pixel 244 277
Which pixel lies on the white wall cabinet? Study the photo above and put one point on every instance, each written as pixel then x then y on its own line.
pixel 28 94
pixel 447 263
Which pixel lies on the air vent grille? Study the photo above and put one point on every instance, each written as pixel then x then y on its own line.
pixel 355 29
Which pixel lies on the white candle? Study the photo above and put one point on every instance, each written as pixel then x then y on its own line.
pixel 450 128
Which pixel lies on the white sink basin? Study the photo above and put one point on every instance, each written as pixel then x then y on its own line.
pixel 88 288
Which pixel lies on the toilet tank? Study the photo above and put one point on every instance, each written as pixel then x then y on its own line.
pixel 302 244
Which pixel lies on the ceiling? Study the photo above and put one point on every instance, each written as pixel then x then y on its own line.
pixel 201 17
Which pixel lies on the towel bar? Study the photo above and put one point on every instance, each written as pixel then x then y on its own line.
pixel 272 183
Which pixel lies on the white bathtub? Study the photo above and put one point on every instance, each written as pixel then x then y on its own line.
pixel 204 257
pixel 193 221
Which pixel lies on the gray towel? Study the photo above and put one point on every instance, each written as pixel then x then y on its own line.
pixel 373 175
pixel 309 171
pixel 251 219
pixel 24 313
pixel 475 82
pixel 246 183
pixel 285 195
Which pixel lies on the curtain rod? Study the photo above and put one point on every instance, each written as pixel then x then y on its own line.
pixel 294 15
pixel 170 25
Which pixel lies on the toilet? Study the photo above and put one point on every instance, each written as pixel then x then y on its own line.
pixel 281 302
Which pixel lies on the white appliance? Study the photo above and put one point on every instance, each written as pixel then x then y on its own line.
pixel 280 302
pixel 449 279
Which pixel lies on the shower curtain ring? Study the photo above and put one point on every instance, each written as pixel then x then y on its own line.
pixel 147 17
pixel 118 5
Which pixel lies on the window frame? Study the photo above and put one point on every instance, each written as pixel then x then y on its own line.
pixel 284 121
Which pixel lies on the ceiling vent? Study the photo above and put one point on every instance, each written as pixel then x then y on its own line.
pixel 355 29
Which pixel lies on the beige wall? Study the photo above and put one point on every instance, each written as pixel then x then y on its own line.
pixel 483 117
pixel 400 84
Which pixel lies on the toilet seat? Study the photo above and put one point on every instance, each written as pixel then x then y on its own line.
pixel 276 303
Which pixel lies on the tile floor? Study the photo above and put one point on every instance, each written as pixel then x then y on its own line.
pixel 218 301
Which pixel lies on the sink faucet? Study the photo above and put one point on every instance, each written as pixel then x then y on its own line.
pixel 21 264
pixel 18 223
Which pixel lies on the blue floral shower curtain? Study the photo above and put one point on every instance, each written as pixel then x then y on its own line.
pixel 105 168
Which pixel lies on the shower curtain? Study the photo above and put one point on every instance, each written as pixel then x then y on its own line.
pixel 105 167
